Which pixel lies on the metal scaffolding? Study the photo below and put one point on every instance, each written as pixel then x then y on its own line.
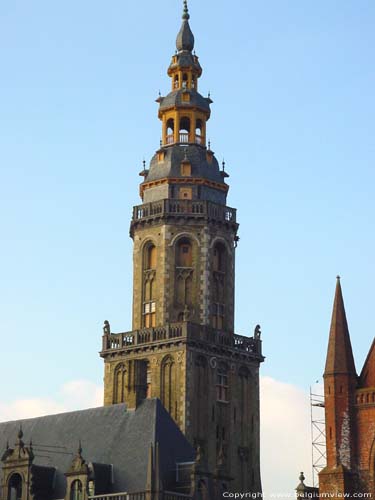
pixel 318 434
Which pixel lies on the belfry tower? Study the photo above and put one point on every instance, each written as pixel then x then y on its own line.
pixel 182 348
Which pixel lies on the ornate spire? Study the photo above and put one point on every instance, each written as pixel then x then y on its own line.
pixel 185 37
pixel 340 355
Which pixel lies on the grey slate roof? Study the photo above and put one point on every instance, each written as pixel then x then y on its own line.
pixel 109 435
pixel 171 166
pixel 175 99
pixel 185 37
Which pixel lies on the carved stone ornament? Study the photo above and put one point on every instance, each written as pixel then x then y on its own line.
pixel 213 362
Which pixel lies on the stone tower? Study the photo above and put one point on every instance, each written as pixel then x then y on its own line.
pixel 182 348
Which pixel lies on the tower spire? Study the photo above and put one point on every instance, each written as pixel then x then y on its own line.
pixel 185 37
pixel 340 355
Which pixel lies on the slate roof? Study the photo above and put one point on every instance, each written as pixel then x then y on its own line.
pixel 171 166
pixel 109 435
pixel 174 99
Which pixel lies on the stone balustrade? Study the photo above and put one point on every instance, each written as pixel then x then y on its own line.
pixel 139 496
pixel 183 330
pixel 191 208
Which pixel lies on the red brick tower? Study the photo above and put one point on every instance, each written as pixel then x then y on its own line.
pixel 350 414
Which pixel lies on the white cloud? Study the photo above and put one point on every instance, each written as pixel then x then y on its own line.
pixel 285 436
pixel 74 395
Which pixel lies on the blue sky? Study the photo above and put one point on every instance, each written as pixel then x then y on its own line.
pixel 293 115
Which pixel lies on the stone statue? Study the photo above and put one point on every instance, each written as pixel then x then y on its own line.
pixel 257 332
pixel 107 328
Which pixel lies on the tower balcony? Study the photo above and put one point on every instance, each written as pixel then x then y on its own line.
pixel 182 332
pixel 197 209
pixel 184 138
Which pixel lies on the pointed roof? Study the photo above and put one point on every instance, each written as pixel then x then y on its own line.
pixel 340 355
pixel 367 377
pixel 185 37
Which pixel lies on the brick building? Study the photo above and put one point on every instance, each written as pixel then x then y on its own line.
pixel 349 401
pixel 181 390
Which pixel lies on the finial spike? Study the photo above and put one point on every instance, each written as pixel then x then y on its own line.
pixel 338 277
pixel 79 448
pixel 186 15
pixel 223 164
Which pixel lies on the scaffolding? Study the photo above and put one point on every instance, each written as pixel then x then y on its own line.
pixel 318 434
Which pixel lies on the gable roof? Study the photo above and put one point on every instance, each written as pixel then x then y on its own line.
pixel 109 435
pixel 367 377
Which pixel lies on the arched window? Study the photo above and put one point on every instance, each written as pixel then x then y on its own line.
pixel 219 265
pixel 198 131
pixel 193 82
pixel 15 487
pixel 168 386
pixel 184 257
pixel 150 257
pixel 185 80
pixel 119 381
pixel 76 492
pixel 222 385
pixel 184 129
pixel 219 261
pixel 170 131
pixel 149 278
pixel 176 82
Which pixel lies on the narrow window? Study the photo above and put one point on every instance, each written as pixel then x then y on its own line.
pixel 15 487
pixel 184 254
pixel 76 492
pixel 222 384
pixel 184 129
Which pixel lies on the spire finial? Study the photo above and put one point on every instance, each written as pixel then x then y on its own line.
pixel 223 164
pixel 79 451
pixel 186 14
pixel 338 277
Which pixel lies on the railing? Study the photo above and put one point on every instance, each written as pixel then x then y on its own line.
pixel 199 139
pixel 193 208
pixel 170 139
pixel 120 496
pixel 168 495
pixel 184 330
pixel 184 137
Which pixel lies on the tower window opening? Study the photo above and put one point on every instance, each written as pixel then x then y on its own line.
pixel 176 82
pixel 218 316
pixel 149 314
pixel 170 131
pixel 219 258
pixel 150 257
pixel 185 80
pixel 222 385
pixel 193 82
pixel 184 253
pixel 184 131
pixel 199 132
pixel 15 487
pixel 76 492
